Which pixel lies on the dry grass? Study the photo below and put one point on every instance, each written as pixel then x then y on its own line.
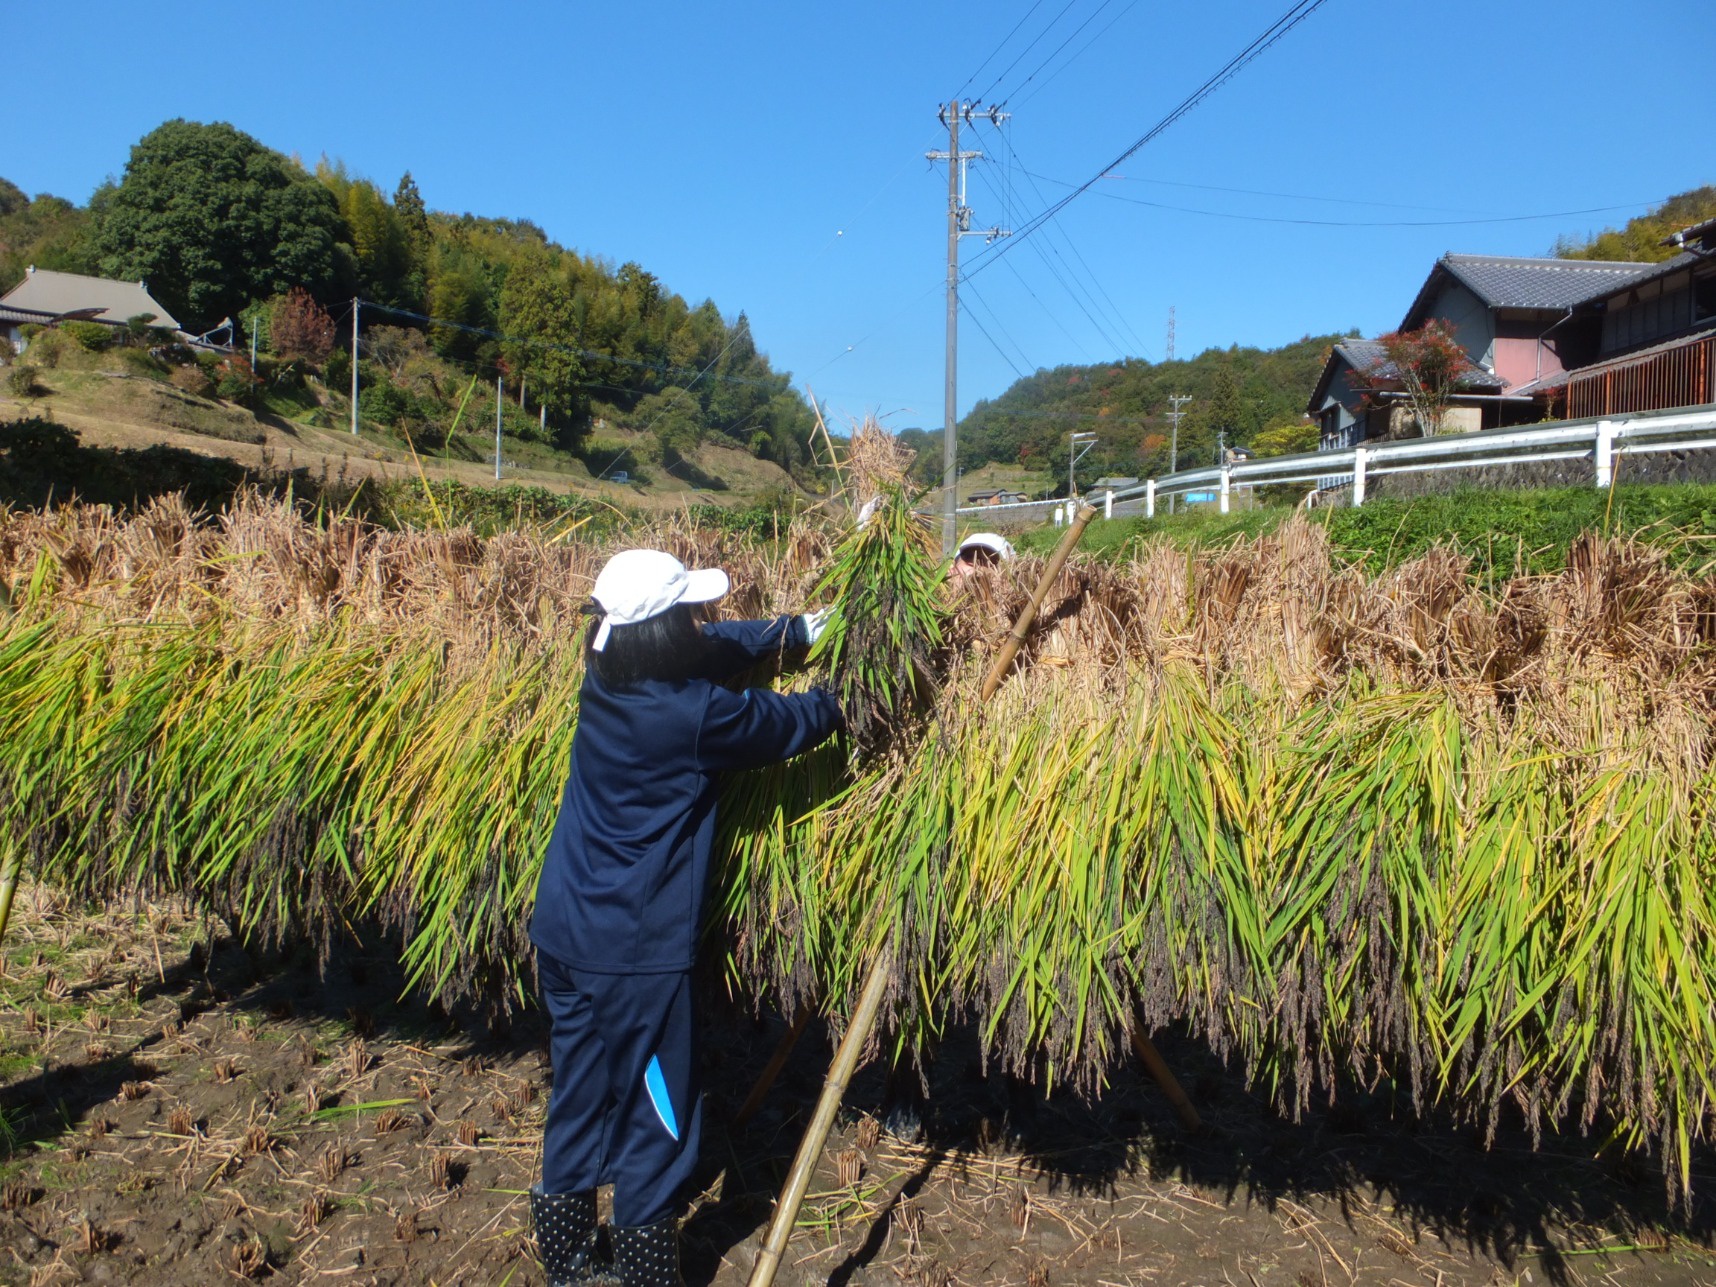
pixel 1339 825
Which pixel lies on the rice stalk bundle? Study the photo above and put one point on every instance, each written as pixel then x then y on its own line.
pixel 1341 828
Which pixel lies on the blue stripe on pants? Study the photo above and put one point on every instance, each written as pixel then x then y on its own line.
pixel 624 1052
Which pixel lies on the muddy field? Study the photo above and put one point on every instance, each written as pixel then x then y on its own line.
pixel 175 1109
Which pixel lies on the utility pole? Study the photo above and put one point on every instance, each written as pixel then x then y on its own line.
pixel 958 225
pixel 1169 357
pixel 354 366
pixel 500 398
pixel 1178 400
pixel 1077 445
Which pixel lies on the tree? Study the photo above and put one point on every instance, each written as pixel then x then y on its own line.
pixel 300 328
pixel 211 219
pixel 1428 365
pixel 536 307
pixel 1288 439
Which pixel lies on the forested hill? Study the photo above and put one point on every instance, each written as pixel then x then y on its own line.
pixel 1257 396
pixel 220 226
pixel 1641 240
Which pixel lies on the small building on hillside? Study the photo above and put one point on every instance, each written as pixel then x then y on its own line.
pixel 46 295
pixel 998 496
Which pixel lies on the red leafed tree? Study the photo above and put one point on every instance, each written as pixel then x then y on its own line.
pixel 1427 365
pixel 301 328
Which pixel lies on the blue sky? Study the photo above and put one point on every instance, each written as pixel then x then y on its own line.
pixel 770 155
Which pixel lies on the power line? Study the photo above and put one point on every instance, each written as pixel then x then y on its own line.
pixel 1372 223
pixel 1083 49
pixel 978 322
pixel 1002 327
pixel 1027 49
pixel 1301 10
pixel 998 48
pixel 1113 309
pixel 1074 36
pixel 592 354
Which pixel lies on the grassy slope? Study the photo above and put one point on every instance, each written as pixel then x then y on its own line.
pixel 1505 532
pixel 111 405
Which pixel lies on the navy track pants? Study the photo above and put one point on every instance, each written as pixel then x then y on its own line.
pixel 626 1108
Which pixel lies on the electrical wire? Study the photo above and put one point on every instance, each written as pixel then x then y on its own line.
pixel 1027 49
pixel 1038 4
pixel 1301 10
pixel 1095 14
pixel 1001 326
pixel 592 354
pixel 1132 338
pixel 1373 223
pixel 1083 49
pixel 978 322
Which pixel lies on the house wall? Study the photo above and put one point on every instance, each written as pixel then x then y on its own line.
pixel 1469 318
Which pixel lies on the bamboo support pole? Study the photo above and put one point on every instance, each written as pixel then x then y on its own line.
pixel 1152 1059
pixel 816 1134
pixel 1022 627
pixel 876 982
pixel 771 1070
pixel 9 887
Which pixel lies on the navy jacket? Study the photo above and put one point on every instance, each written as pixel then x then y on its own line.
pixel 623 884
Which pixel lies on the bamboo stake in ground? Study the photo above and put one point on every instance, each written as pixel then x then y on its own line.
pixel 876 982
pixel 816 1134
pixel 9 887
pixel 1022 627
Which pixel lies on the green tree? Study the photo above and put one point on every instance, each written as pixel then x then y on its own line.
pixel 49 232
pixel 212 219
pixel 536 309
pixel 380 238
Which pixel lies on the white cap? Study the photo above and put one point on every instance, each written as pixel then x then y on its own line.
pixel 987 541
pixel 636 585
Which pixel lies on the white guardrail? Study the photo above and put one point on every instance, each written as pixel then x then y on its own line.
pixel 1599 439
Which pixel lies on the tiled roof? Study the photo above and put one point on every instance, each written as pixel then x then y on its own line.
pixel 1371 357
pixel 1539 283
pixel 1652 272
pixel 47 291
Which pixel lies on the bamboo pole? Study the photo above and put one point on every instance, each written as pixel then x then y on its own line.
pixel 1022 627
pixel 876 982
pixel 772 1069
pixel 9 887
pixel 1152 1059
pixel 816 1134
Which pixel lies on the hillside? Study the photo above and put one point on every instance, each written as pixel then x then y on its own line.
pixel 121 399
pixel 1246 393
pixel 223 228
pixel 1641 240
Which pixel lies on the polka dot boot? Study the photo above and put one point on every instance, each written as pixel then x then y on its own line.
pixel 648 1255
pixel 565 1225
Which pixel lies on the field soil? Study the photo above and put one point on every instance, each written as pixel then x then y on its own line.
pixel 177 1109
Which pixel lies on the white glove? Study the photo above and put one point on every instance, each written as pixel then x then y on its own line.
pixel 814 624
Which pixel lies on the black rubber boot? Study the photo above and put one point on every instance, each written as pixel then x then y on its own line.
pixel 565 1226
pixel 648 1254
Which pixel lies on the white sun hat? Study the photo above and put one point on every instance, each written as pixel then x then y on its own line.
pixel 636 585
pixel 987 541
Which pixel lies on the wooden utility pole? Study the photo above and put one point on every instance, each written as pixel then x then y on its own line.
pixel 500 400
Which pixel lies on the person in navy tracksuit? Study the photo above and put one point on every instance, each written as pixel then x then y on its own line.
pixel 619 907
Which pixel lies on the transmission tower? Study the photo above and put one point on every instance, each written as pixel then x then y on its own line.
pixel 958 225
pixel 1170 354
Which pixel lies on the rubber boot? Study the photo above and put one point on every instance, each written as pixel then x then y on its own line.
pixel 647 1255
pixel 565 1226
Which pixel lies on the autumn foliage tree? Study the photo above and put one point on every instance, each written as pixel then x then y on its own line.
pixel 1427 365
pixel 300 328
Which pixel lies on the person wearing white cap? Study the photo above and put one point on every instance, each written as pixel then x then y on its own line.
pixel 980 550
pixel 619 905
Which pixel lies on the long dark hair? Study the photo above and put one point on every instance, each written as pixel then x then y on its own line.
pixel 668 646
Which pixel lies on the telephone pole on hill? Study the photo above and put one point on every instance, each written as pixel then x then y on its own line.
pixel 1174 417
pixel 958 225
